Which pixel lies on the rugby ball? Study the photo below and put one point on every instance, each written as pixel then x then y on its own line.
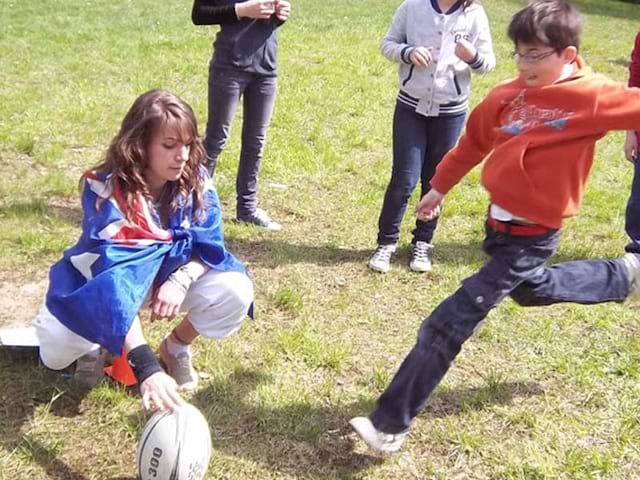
pixel 174 445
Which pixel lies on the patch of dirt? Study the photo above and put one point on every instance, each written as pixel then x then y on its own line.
pixel 21 300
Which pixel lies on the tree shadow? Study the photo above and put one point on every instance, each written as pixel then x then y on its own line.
pixel 301 439
pixel 25 387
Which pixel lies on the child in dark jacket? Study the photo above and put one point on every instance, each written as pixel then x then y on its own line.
pixel 243 65
pixel 537 134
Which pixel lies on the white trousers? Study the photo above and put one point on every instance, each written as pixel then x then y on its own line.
pixel 216 303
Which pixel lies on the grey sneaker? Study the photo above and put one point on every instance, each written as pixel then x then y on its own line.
pixel 381 259
pixel 377 440
pixel 89 369
pixel 632 263
pixel 179 367
pixel 260 218
pixel 420 261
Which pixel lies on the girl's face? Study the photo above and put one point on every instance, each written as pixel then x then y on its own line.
pixel 166 156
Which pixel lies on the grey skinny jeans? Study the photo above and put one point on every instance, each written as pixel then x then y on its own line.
pixel 258 93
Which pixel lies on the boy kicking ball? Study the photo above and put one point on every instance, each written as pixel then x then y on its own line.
pixel 537 135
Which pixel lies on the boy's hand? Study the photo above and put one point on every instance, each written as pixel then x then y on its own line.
pixel 283 9
pixel 261 9
pixel 631 146
pixel 421 56
pixel 430 205
pixel 465 51
pixel 159 392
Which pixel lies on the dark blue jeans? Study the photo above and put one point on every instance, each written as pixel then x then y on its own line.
pixel 419 143
pixel 632 221
pixel 516 267
pixel 258 92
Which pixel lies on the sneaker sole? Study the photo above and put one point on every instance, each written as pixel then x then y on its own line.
pixel 375 268
pixel 413 268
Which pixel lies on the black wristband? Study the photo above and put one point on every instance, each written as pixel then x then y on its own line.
pixel 143 362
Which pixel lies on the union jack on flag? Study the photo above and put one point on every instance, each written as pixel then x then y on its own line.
pixel 100 284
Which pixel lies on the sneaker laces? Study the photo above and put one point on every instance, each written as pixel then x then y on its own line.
pixel 383 253
pixel 421 251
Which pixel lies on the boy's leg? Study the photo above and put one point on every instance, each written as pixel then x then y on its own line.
pixel 409 144
pixel 442 135
pixel 442 334
pixel 583 281
pixel 258 102
pixel 225 88
pixel 632 220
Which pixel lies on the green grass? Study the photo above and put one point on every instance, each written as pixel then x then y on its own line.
pixel 539 393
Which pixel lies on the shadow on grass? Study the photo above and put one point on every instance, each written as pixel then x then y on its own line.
pixel 296 439
pixel 450 402
pixel 25 387
pixel 71 215
pixel 306 440
pixel 272 253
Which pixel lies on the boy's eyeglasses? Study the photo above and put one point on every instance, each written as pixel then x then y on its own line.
pixel 532 58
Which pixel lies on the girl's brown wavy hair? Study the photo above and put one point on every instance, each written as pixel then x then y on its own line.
pixel 126 157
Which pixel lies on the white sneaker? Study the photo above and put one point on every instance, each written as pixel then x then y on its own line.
pixel 632 263
pixel 381 259
pixel 383 442
pixel 420 261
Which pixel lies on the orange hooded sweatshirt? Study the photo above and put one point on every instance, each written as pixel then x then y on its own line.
pixel 539 142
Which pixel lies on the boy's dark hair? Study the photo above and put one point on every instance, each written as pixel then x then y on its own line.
pixel 555 23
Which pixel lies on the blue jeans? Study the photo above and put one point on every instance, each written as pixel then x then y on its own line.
pixel 632 220
pixel 516 267
pixel 419 143
pixel 226 86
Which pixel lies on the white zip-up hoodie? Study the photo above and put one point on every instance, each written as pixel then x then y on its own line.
pixel 443 86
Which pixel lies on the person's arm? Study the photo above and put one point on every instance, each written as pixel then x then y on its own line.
pixel 210 12
pixel 632 139
pixel 634 66
pixel 484 60
pixel 159 391
pixel 617 108
pixel 394 45
pixel 476 143
pixel 170 295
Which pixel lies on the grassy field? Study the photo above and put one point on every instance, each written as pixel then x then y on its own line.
pixel 538 393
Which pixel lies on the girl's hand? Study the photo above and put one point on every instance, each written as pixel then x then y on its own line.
pixel 283 9
pixel 261 9
pixel 631 146
pixel 465 51
pixel 159 392
pixel 167 300
pixel 421 56
pixel 430 205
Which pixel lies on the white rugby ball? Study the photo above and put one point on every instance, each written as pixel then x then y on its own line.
pixel 174 446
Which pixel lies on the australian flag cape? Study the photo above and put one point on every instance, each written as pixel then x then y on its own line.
pixel 100 284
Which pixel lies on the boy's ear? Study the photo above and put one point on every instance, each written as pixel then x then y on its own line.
pixel 569 54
